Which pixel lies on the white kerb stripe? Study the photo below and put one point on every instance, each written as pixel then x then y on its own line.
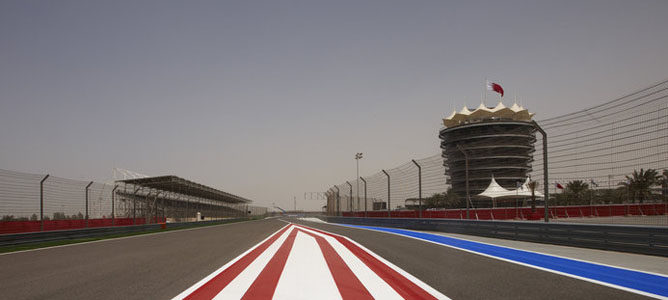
pixel 206 279
pixel 239 285
pixel 306 274
pixel 376 286
pixel 408 276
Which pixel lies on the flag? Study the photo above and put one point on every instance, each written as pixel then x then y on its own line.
pixel 593 183
pixel 559 186
pixel 492 86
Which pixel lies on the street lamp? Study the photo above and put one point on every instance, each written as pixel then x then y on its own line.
pixel 358 156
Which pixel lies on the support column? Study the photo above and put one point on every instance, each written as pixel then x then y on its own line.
pixel 89 184
pixel 419 188
pixel 338 201
pixel 365 204
pixel 350 202
pixel 389 214
pixel 468 197
pixel 41 203
pixel 113 203
pixel 546 190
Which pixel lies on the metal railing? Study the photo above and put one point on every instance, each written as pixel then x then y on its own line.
pixel 634 239
pixel 41 202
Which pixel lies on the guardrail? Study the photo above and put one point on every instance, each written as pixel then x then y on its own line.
pixel 652 240
pixel 48 225
pixel 59 235
pixel 509 213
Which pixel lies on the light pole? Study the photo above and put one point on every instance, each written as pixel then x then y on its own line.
pixel 358 156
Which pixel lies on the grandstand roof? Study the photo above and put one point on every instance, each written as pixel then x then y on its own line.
pixel 174 184
pixel 500 111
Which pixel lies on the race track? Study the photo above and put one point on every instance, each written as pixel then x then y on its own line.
pixel 283 259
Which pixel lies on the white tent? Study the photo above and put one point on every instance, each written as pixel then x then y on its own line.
pixel 494 190
pixel 524 190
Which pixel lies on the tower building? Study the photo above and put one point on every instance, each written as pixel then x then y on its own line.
pixel 499 141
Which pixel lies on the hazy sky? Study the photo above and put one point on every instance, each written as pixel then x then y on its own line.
pixel 271 99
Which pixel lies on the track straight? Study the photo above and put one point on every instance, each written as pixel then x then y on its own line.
pixel 647 284
pixel 339 268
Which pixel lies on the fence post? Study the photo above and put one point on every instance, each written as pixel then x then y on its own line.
pixel 338 202
pixel 468 198
pixel 365 205
pixel 350 202
pixel 89 184
pixel 546 190
pixel 134 206
pixel 113 212
pixel 41 203
pixel 419 188
pixel 389 214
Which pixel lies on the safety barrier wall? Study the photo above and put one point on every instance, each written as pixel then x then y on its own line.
pixel 33 226
pixel 652 240
pixel 58 235
pixel 525 213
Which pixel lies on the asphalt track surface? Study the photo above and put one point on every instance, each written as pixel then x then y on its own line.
pixel 160 266
pixel 155 266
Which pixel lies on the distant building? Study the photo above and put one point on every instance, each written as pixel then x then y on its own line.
pixel 499 142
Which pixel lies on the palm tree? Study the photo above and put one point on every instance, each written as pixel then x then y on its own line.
pixel 533 185
pixel 578 189
pixel 640 183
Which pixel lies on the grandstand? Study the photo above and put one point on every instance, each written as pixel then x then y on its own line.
pixel 177 199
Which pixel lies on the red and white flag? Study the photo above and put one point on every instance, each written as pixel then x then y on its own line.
pixel 492 86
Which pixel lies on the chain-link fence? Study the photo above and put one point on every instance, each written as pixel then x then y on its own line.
pixel 606 164
pixel 35 202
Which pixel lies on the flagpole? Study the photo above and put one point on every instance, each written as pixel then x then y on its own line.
pixel 485 92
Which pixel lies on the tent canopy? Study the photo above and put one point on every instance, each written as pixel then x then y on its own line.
pixel 494 190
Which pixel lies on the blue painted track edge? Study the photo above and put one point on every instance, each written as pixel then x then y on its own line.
pixel 636 280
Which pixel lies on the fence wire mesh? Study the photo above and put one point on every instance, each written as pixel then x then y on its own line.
pixel 606 164
pixel 34 202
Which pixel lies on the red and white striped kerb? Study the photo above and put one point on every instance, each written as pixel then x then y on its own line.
pixel 299 262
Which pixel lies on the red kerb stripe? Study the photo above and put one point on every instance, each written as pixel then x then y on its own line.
pixel 264 285
pixel 348 284
pixel 404 287
pixel 211 288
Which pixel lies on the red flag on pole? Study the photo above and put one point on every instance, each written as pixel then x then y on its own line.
pixel 492 86
pixel 559 186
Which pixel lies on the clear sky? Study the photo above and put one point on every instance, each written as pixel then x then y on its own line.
pixel 271 99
